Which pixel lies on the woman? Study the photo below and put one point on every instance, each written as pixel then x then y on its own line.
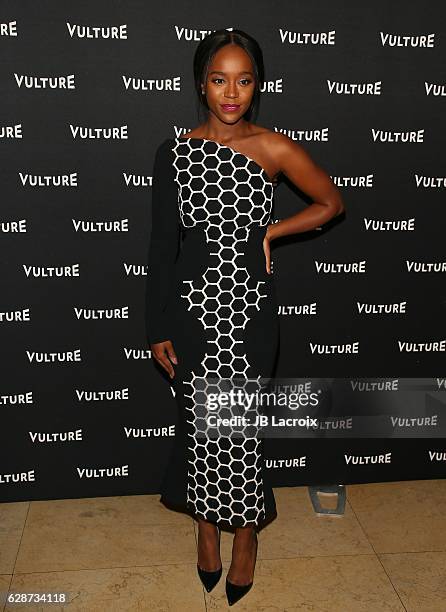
pixel 211 305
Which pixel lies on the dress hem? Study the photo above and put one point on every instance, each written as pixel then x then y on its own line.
pixel 222 523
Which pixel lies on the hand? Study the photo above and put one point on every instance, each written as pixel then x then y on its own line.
pixel 267 251
pixel 164 354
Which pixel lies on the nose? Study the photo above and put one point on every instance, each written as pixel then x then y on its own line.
pixel 231 91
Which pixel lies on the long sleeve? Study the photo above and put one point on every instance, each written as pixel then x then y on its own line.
pixel 164 243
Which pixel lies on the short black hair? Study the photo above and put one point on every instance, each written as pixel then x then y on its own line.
pixel 208 47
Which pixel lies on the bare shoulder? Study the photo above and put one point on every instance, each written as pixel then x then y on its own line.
pixel 278 143
pixel 274 144
pixel 279 149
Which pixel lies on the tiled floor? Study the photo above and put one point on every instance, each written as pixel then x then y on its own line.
pixel 125 554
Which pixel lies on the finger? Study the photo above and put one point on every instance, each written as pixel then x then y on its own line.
pixel 266 250
pixel 165 363
pixel 160 356
pixel 171 354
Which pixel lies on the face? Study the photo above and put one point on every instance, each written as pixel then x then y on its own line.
pixel 230 83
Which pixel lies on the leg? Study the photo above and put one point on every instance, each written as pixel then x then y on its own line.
pixel 244 555
pixel 208 548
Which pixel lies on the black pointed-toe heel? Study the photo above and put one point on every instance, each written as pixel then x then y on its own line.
pixel 210 579
pixel 234 592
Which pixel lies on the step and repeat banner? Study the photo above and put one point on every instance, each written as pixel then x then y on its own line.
pixel 88 92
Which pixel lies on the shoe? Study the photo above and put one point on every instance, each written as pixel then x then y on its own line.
pixel 234 592
pixel 210 579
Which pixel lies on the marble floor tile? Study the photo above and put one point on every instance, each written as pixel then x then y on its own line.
pixel 103 532
pixel 162 588
pixel 404 516
pixel 346 583
pixel 419 578
pixel 298 531
pixel 5 579
pixel 12 522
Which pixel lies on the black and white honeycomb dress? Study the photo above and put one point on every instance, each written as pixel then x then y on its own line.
pixel 209 293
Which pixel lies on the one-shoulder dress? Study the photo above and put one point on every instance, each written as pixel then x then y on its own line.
pixel 208 292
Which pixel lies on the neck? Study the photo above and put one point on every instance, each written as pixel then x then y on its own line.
pixel 215 129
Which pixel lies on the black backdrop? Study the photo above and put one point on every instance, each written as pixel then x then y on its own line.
pixel 84 412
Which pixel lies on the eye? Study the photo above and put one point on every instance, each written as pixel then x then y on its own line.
pixel 243 81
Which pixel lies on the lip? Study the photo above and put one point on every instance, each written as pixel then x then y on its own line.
pixel 230 108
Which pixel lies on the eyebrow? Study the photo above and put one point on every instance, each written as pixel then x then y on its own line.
pixel 221 72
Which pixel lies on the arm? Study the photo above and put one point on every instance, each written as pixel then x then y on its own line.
pixel 164 241
pixel 298 166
